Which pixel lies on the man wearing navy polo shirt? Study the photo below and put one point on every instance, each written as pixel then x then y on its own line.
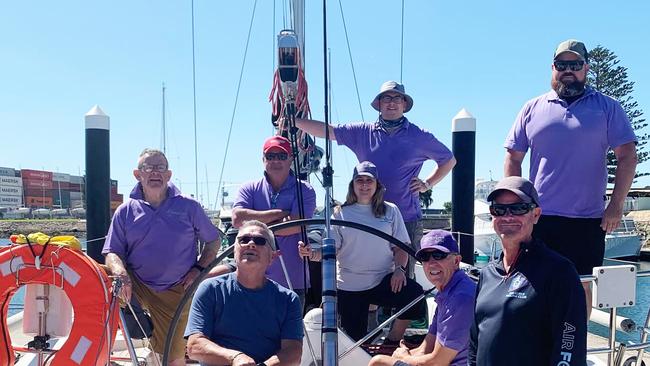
pixel 398 148
pixel 271 200
pixel 529 304
pixel 569 131
pixel 448 337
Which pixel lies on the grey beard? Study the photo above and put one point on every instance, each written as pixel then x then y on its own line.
pixel 568 90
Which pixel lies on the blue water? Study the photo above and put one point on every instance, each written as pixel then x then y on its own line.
pixel 637 313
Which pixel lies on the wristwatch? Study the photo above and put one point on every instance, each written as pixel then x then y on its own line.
pixel 402 268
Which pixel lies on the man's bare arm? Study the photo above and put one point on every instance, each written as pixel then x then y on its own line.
pixel 201 349
pixel 289 354
pixel 315 128
pixel 117 268
pixel 625 171
pixel 240 215
pixel 512 164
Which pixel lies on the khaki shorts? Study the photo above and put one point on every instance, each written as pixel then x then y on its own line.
pixel 162 306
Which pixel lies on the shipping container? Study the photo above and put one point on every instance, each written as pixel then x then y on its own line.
pixel 76 203
pixel 10 201
pixel 11 181
pixel 113 183
pixel 37 192
pixel 117 197
pixel 75 195
pixel 115 205
pixel 11 191
pixel 8 172
pixel 75 179
pixel 75 187
pixel 36 174
pixel 37 183
pixel 61 177
pixel 31 201
pixel 60 185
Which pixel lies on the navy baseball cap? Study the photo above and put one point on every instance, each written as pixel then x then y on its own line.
pixel 365 168
pixel 441 240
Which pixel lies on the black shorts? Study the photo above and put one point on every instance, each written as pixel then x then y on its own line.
pixel 581 240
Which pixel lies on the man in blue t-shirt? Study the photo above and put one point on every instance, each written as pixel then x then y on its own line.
pixel 243 318
pixel 448 337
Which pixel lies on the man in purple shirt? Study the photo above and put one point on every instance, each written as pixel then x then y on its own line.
pixel 569 131
pixel 273 199
pixel 398 148
pixel 152 245
pixel 448 337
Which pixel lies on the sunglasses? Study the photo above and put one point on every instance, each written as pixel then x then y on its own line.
pixel 161 168
pixel 246 239
pixel 435 254
pixel 515 209
pixel 573 65
pixel 387 99
pixel 278 156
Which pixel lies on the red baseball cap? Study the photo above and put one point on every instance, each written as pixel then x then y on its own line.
pixel 277 141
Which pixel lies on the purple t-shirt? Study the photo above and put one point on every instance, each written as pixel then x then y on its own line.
pixel 260 196
pixel 454 315
pixel 568 148
pixel 398 156
pixel 159 244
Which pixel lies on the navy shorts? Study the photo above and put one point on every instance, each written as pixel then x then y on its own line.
pixel 581 240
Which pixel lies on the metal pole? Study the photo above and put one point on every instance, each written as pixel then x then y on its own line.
pixel 612 337
pixel 463 128
pixel 98 180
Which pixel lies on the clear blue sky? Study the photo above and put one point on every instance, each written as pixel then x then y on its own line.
pixel 58 59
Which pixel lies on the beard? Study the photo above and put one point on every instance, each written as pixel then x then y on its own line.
pixel 568 89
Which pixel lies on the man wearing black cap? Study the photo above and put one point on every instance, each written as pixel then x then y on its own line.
pixel 529 305
pixel 398 148
pixel 569 131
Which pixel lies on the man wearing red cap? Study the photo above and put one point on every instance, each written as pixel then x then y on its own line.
pixel 271 200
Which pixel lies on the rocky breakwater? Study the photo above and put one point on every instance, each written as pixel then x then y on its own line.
pixel 49 227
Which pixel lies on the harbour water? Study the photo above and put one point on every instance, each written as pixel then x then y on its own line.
pixel 637 313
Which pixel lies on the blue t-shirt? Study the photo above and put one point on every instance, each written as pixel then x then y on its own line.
pixel 454 315
pixel 249 321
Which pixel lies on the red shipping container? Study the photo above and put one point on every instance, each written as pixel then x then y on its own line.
pixel 37 192
pixel 117 197
pixel 38 201
pixel 74 187
pixel 36 174
pixel 113 190
pixel 115 204
pixel 61 185
pixel 37 183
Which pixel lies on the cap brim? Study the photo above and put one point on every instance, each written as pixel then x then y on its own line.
pixel 279 147
pixel 570 51
pixel 407 107
pixel 436 247
pixel 366 174
pixel 524 197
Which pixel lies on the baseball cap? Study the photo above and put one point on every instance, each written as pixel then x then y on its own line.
pixel 365 168
pixel 522 187
pixel 277 141
pixel 441 240
pixel 574 46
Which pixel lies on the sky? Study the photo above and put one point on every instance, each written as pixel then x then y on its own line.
pixel 59 59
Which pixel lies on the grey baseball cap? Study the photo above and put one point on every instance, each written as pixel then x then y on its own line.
pixel 522 187
pixel 574 46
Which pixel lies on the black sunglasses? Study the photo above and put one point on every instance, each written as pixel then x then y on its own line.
pixel 435 254
pixel 516 209
pixel 573 65
pixel 245 239
pixel 278 156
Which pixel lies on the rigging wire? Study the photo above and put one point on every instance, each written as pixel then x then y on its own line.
pixel 401 54
pixel 232 118
pixel 196 149
pixel 354 74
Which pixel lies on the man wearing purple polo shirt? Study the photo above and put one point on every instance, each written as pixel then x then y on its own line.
pixel 273 199
pixel 152 245
pixel 569 131
pixel 398 148
pixel 448 337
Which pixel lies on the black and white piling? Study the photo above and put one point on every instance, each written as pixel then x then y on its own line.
pixel 98 181
pixel 463 128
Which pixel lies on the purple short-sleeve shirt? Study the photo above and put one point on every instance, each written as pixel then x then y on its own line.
pixel 454 315
pixel 398 156
pixel 260 196
pixel 568 147
pixel 159 244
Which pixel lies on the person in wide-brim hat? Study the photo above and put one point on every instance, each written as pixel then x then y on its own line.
pixel 393 86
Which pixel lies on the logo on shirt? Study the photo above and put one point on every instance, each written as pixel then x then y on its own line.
pixel 517 283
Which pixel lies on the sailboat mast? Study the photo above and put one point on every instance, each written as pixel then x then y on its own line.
pixel 164 123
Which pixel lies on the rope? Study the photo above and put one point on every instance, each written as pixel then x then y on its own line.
pixel 401 56
pixel 354 74
pixel 232 118
pixel 196 151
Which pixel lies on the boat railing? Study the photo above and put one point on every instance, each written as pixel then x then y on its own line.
pixel 616 354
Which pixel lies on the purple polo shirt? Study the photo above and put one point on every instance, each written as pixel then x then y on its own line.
pixel 260 196
pixel 568 148
pixel 398 156
pixel 159 244
pixel 454 315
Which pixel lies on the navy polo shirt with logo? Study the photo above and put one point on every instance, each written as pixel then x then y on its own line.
pixel 535 315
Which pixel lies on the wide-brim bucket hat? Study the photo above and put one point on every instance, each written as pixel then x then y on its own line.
pixel 393 86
